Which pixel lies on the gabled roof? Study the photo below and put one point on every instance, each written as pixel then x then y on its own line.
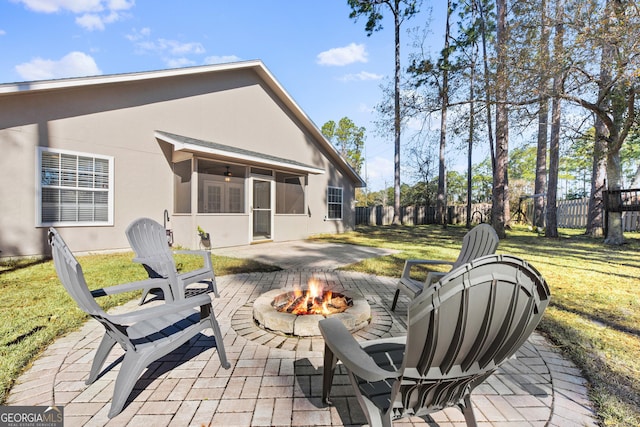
pixel 256 65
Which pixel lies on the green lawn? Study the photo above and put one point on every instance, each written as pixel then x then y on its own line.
pixel 35 308
pixel 594 315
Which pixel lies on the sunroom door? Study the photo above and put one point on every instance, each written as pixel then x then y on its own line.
pixel 261 209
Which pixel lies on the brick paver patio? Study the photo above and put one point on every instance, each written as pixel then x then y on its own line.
pixel 276 380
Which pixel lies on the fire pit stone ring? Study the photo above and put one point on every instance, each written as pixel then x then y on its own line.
pixel 267 317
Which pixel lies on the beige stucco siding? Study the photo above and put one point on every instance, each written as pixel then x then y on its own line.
pixel 235 108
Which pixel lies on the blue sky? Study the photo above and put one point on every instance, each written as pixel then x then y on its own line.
pixel 321 57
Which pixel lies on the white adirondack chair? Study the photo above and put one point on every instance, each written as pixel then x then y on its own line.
pixel 459 331
pixel 148 239
pixel 146 334
pixel 479 241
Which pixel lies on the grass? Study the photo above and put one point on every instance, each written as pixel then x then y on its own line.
pixel 594 315
pixel 36 309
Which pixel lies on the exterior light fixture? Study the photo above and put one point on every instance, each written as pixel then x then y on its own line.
pixel 227 175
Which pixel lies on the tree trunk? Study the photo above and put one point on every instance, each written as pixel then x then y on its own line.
pixel 499 215
pixel 472 112
pixel 540 186
pixel 487 84
pixel 396 121
pixel 595 221
pixel 554 162
pixel 622 119
pixel 441 201
pixel 554 145
pixel 615 235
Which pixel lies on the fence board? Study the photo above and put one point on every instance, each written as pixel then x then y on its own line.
pixel 417 215
pixel 570 214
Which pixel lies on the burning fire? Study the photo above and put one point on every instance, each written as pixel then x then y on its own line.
pixel 315 300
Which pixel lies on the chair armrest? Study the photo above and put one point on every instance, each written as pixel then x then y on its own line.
pixel 412 262
pixel 340 341
pixel 433 277
pixel 133 286
pixel 161 310
pixel 150 260
pixel 204 254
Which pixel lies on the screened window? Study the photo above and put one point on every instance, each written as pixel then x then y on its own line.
pixel 334 203
pixel 290 194
pixel 220 187
pixel 74 188
pixel 182 187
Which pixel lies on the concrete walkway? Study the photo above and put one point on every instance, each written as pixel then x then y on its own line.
pixel 305 255
pixel 276 380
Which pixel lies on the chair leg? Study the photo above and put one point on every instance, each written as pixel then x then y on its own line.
pixel 217 333
pixel 330 362
pixel 214 287
pixel 467 411
pixel 102 352
pixel 395 300
pixel 131 369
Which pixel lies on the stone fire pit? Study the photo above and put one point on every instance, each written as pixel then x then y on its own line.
pixel 355 317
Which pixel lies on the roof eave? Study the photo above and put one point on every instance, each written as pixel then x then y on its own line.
pixel 250 158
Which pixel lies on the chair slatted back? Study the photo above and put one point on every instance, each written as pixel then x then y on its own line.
pixel 148 239
pixel 481 240
pixel 71 275
pixel 464 327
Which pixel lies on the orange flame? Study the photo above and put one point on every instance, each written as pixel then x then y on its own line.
pixel 313 301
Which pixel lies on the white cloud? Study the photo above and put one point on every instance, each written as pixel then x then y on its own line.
pixel 221 59
pixel 166 46
pixel 90 21
pixel 179 62
pixel 2 32
pixel 137 35
pixel 340 56
pixel 178 48
pixel 120 4
pixel 51 6
pixel 73 64
pixel 361 76
pixel 379 171
pixel 173 52
pixel 93 14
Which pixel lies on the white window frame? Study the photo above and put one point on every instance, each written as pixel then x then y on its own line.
pixel 225 196
pixel 40 186
pixel 329 188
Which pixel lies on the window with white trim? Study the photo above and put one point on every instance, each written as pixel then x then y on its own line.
pixel 334 203
pixel 290 191
pixel 74 188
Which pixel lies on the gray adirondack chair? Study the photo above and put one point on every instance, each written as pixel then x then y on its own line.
pixel 148 239
pixel 479 241
pixel 459 332
pixel 146 334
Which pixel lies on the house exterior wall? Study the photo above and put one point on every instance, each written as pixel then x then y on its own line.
pixel 235 108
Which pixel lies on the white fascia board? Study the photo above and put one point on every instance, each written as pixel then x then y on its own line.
pixel 240 157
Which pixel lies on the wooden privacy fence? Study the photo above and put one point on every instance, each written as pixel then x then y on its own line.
pixel 573 213
pixel 570 213
pixel 416 215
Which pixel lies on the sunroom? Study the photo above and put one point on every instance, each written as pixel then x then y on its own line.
pixel 241 196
